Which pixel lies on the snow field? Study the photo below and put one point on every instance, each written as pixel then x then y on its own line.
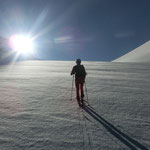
pixel 36 111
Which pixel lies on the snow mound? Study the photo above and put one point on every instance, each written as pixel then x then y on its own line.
pixel 140 54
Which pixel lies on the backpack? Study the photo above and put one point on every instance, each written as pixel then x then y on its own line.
pixel 79 71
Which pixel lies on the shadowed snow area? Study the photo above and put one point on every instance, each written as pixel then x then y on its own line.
pixel 36 112
pixel 140 54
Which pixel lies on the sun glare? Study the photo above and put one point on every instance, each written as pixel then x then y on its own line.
pixel 21 44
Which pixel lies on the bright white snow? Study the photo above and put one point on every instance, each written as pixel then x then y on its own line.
pixel 36 112
pixel 140 54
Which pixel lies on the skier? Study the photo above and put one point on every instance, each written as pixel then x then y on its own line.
pixel 80 75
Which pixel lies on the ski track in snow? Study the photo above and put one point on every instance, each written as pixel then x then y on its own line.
pixel 36 111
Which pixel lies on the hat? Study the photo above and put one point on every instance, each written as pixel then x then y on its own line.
pixel 78 61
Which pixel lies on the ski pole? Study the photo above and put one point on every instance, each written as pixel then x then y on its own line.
pixel 86 92
pixel 72 87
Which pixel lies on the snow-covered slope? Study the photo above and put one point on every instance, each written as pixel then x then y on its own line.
pixel 140 54
pixel 36 112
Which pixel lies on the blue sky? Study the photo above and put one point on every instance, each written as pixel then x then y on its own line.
pixel 98 30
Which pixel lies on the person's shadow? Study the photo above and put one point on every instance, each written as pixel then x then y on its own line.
pixel 128 141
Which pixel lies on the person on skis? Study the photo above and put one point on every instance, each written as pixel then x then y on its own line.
pixel 80 75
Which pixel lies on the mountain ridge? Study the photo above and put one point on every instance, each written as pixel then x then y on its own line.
pixel 140 54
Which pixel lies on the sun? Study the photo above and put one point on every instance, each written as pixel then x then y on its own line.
pixel 22 44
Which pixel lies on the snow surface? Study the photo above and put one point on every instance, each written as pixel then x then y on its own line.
pixel 140 54
pixel 36 112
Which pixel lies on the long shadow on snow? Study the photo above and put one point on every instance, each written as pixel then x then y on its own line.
pixel 128 141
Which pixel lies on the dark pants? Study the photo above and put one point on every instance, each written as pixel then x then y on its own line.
pixel 79 88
